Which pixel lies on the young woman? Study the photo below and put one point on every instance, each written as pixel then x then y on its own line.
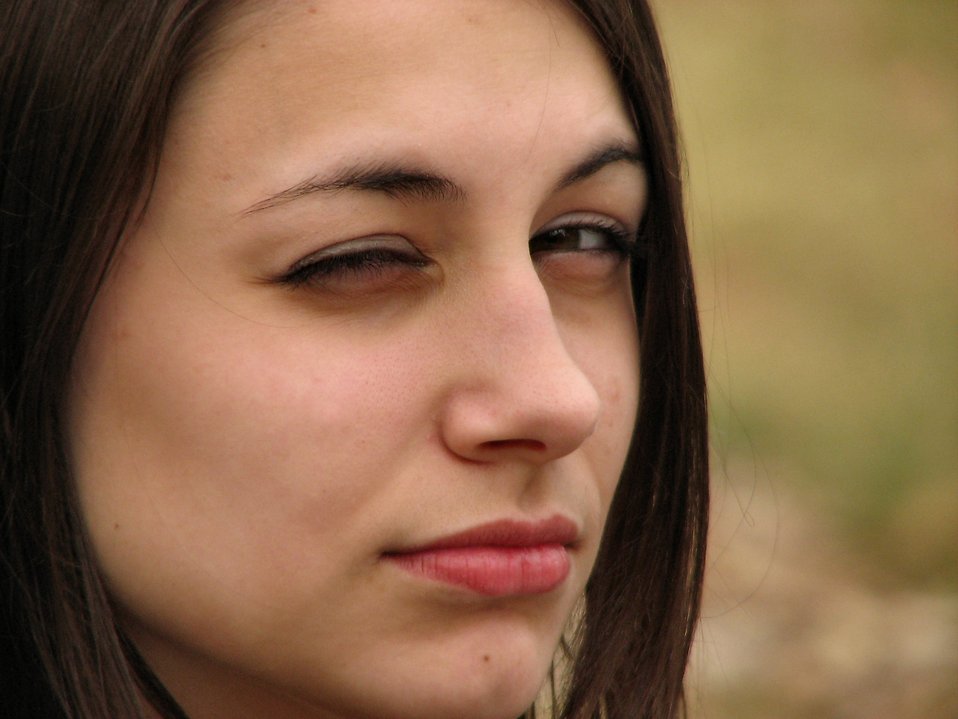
pixel 350 361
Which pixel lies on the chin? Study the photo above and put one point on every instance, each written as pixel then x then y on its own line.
pixel 505 700
pixel 498 680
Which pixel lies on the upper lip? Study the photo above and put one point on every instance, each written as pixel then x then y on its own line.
pixel 506 533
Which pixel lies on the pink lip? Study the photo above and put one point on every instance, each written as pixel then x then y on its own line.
pixel 498 559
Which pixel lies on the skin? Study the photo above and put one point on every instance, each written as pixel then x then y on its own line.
pixel 248 448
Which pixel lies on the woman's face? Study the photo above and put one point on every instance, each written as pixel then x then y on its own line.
pixel 349 412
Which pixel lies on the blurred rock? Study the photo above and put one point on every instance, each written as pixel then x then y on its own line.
pixel 792 628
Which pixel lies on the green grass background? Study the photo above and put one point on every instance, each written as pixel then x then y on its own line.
pixel 822 145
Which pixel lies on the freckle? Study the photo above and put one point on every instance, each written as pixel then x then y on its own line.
pixel 312 11
pixel 485 658
pixel 262 45
pixel 116 526
pixel 226 177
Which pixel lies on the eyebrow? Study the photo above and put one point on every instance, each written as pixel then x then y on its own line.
pixel 405 182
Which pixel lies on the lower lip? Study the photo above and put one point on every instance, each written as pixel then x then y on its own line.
pixel 491 571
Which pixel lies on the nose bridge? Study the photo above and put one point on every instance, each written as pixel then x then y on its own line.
pixel 521 390
pixel 517 324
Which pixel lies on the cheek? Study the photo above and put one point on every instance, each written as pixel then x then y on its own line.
pixel 615 427
pixel 220 443
pixel 606 346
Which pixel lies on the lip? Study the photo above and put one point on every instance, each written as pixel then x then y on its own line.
pixel 498 559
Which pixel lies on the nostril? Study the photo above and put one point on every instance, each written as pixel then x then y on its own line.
pixel 530 444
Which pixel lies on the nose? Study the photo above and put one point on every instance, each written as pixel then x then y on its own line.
pixel 518 393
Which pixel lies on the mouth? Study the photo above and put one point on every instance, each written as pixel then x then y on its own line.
pixel 498 559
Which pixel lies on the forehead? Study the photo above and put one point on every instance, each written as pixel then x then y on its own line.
pixel 332 78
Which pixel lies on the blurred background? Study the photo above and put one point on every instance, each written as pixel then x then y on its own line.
pixel 822 145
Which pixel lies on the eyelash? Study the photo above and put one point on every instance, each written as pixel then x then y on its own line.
pixel 350 264
pixel 621 241
pixel 373 261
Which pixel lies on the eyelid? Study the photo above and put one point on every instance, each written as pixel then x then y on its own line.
pixel 586 219
pixel 349 247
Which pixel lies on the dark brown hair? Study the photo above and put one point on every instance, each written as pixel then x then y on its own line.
pixel 85 92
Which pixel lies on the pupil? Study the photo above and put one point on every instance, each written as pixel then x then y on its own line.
pixel 564 237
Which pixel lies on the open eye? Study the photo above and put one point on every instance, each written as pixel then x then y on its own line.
pixel 586 249
pixel 583 233
pixel 366 259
